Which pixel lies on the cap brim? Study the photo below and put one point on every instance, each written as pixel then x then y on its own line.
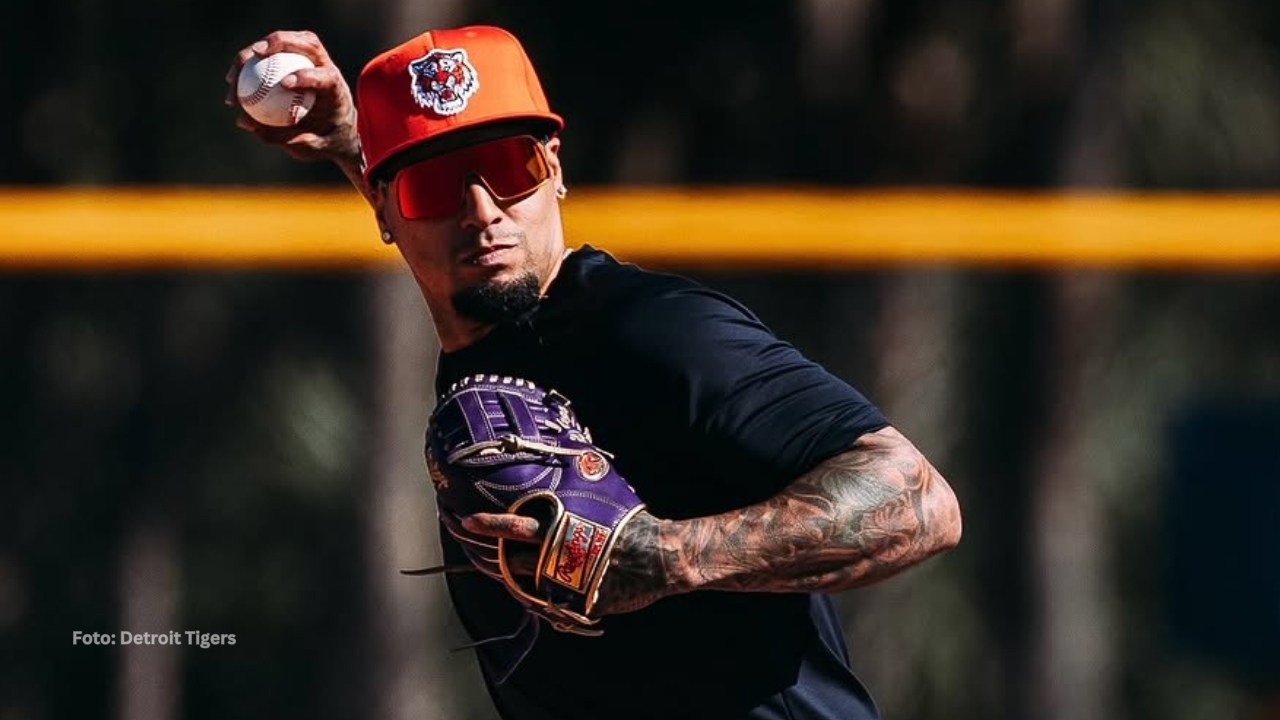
pixel 489 128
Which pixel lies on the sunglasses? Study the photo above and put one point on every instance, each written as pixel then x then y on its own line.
pixel 510 168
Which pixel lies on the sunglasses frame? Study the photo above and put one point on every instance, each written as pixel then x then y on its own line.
pixel 395 185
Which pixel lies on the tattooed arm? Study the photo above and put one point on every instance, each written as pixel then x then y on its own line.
pixel 857 518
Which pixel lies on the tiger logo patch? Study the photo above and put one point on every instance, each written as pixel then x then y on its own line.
pixel 442 81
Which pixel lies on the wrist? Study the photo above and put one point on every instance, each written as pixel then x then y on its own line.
pixel 680 576
pixel 346 154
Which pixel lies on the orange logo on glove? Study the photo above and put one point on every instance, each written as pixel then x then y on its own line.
pixel 592 465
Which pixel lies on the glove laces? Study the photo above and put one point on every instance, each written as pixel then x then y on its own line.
pixel 513 444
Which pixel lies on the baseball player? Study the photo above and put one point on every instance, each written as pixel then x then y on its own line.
pixel 754 483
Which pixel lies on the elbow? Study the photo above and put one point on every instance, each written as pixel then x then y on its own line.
pixel 937 526
pixel 942 514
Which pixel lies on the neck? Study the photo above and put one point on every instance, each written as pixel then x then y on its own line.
pixel 456 333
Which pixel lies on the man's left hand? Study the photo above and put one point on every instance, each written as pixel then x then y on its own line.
pixel 639 571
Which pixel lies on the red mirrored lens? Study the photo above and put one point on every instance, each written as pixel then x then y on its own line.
pixel 509 168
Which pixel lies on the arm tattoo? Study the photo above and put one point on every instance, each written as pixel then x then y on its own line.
pixel 857 518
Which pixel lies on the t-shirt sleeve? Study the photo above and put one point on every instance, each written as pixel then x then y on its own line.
pixel 749 398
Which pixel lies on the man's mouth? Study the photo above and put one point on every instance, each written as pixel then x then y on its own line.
pixel 489 255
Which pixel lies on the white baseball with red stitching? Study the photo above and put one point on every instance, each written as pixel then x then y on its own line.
pixel 261 95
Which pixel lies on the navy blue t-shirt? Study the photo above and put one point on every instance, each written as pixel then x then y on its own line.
pixel 705 411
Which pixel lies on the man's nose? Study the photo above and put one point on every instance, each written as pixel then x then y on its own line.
pixel 479 208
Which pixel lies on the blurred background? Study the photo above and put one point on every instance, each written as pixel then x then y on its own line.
pixel 239 451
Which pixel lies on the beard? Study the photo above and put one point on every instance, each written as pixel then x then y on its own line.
pixel 497 302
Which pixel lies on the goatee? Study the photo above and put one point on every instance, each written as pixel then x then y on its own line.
pixel 498 302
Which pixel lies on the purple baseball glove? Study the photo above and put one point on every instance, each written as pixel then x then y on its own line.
pixel 502 444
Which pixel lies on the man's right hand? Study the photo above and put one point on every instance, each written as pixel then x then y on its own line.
pixel 328 132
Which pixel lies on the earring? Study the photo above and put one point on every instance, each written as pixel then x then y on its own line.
pixel 561 191
pixel 386 236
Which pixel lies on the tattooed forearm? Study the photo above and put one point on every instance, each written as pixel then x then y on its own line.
pixel 857 518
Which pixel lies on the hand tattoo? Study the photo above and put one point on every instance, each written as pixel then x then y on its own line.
pixel 637 574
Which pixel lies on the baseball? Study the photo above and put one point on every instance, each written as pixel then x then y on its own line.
pixel 262 97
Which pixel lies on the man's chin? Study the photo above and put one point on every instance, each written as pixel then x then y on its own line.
pixel 497 279
pixel 504 296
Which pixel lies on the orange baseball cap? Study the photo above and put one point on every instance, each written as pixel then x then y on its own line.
pixel 443 81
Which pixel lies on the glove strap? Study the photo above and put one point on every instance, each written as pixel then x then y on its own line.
pixel 575 555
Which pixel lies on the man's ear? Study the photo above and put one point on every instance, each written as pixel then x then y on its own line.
pixel 378 195
pixel 553 161
pixel 378 198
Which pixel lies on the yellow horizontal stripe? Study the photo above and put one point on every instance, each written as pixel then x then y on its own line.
pixel 332 228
